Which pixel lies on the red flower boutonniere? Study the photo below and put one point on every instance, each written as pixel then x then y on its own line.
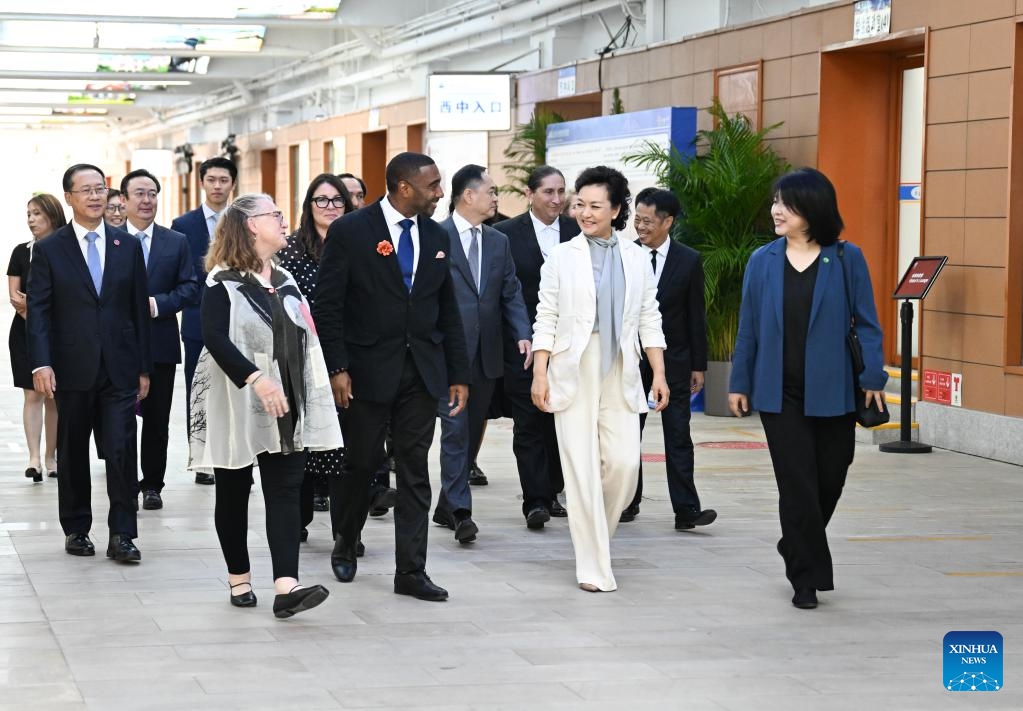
pixel 385 248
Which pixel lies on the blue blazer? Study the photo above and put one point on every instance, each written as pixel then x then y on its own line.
pixel 193 225
pixel 174 286
pixel 757 360
pixel 73 329
pixel 496 307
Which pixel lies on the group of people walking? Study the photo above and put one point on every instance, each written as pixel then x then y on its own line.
pixel 305 352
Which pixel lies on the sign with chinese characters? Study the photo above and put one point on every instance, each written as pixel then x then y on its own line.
pixel 919 277
pixel 470 102
pixel 566 82
pixel 872 18
pixel 938 386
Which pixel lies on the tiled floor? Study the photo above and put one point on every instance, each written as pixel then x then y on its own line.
pixel 702 620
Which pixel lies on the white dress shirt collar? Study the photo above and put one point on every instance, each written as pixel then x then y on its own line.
pixel 392 217
pixel 539 226
pixel 133 230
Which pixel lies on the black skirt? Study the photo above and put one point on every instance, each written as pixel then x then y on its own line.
pixel 17 344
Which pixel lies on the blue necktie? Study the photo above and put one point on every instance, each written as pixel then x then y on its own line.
pixel 144 239
pixel 95 269
pixel 406 252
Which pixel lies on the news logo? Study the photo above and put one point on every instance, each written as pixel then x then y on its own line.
pixel 972 661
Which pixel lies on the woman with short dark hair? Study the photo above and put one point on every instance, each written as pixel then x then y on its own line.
pixel 260 394
pixel 598 302
pixel 792 364
pixel 45 215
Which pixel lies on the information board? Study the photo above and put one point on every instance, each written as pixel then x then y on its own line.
pixel 919 277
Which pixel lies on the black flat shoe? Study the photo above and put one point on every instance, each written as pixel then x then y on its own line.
pixel 360 550
pixel 537 517
pixel 342 562
pixel 34 474
pixel 303 535
pixel 151 500
pixel 382 501
pixel 205 479
pixel 443 518
pixel 79 544
pixel 557 510
pixel 805 598
pixel 321 503
pixel 245 599
pixel 121 549
pixel 629 514
pixel 419 586
pixel 299 600
pixel 466 530
pixel 476 476
pixel 693 518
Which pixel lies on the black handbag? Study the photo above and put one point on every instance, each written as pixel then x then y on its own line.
pixel 866 415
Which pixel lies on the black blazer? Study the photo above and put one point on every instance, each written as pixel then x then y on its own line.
pixel 683 318
pixel 72 329
pixel 174 285
pixel 366 318
pixel 193 225
pixel 526 253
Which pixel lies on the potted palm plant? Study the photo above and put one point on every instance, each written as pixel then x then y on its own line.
pixel 528 149
pixel 725 191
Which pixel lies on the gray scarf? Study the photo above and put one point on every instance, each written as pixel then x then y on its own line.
pixel 609 280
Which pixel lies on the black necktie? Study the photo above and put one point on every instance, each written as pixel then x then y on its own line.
pixel 653 260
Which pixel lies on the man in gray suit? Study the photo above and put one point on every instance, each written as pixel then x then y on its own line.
pixel 489 300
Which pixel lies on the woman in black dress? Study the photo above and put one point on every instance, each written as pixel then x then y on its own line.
pixel 45 215
pixel 325 201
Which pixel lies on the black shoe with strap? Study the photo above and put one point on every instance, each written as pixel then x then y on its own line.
pixel 299 600
pixel 245 599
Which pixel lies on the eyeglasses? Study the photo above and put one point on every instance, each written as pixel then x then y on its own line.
pixel 90 192
pixel 322 201
pixel 117 208
pixel 140 194
pixel 276 213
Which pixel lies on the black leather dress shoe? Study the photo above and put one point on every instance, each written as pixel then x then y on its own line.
pixel 805 598
pixel 299 600
pixel 443 518
pixel 557 510
pixel 419 586
pixel 122 549
pixel 629 514
pixel 204 478
pixel 244 599
pixel 321 503
pixel 151 500
pixel 34 474
pixel 537 517
pixel 303 535
pixel 79 544
pixel 342 562
pixel 476 476
pixel 693 518
pixel 360 550
pixel 382 501
pixel 466 529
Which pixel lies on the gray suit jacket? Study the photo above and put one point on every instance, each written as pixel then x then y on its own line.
pixel 498 302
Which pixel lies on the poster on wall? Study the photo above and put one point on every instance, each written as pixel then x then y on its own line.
pixel 469 102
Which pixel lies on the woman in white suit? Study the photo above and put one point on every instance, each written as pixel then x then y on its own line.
pixel 598 301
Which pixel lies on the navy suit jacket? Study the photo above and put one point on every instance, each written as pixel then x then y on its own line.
pixel 193 225
pixel 757 360
pixel 683 316
pixel 368 320
pixel 526 252
pixel 497 303
pixel 73 329
pixel 174 286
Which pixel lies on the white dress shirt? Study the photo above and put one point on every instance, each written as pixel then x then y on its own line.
pixel 147 246
pixel 83 244
pixel 211 218
pixel 662 254
pixel 392 217
pixel 547 236
pixel 464 228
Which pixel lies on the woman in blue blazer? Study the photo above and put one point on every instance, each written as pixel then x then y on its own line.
pixel 792 364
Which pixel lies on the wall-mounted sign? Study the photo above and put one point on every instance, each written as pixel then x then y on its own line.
pixel 938 386
pixel 470 102
pixel 566 82
pixel 872 18
pixel 919 277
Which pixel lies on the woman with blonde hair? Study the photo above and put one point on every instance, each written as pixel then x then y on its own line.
pixel 45 215
pixel 260 394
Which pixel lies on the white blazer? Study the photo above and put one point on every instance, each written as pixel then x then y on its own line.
pixel 568 308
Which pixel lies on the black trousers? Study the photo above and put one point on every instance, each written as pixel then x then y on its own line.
pixel 156 409
pixel 534 441
pixel 280 476
pixel 413 417
pixel 811 457
pixel 193 348
pixel 678 450
pixel 112 411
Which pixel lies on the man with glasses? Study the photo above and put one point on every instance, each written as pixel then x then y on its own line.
pixel 172 287
pixel 88 345
pixel 116 208
pixel 218 176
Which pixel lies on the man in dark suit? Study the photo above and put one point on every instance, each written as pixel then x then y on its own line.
pixel 532 235
pixel 392 338
pixel 490 302
pixel 88 345
pixel 678 271
pixel 218 176
pixel 172 287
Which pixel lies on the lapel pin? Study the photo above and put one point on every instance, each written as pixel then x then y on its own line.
pixel 440 255
pixel 826 260
pixel 117 243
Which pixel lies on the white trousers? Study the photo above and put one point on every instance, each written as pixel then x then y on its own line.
pixel 598 439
